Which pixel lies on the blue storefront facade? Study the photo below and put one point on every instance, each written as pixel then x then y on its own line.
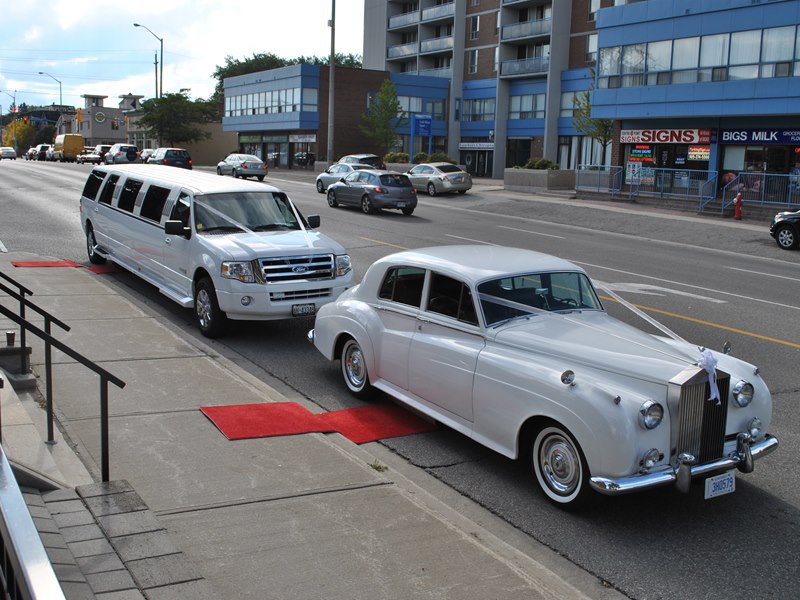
pixel 702 84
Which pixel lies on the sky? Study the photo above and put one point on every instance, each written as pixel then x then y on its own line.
pixel 94 48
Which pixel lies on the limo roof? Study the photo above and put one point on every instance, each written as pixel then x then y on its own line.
pixel 196 182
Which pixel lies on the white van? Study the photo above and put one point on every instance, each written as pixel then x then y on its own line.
pixel 230 248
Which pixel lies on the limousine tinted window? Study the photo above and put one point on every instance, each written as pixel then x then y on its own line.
pixel 153 203
pixel 108 189
pixel 93 183
pixel 182 210
pixel 127 197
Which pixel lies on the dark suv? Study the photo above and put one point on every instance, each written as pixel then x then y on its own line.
pixel 172 157
pixel 121 153
pixel 785 229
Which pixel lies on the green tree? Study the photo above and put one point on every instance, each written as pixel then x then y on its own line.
pixel 383 117
pixel 174 119
pixel 601 130
pixel 44 135
pixel 25 134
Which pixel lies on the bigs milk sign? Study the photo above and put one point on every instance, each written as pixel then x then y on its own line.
pixel 786 137
pixel 665 136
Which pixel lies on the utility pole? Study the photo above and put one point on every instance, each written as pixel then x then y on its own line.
pixel 331 67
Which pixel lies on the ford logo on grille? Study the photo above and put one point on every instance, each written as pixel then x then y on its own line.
pixel 299 269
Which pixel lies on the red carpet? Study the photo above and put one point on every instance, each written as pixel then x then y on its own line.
pixel 44 263
pixel 103 269
pixel 359 425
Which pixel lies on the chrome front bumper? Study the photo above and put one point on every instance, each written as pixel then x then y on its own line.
pixel 742 458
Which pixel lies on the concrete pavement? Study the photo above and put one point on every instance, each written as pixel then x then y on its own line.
pixel 189 514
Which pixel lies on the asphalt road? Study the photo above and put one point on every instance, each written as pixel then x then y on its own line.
pixel 708 283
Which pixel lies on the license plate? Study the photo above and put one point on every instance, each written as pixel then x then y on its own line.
pixel 401 205
pixel 720 485
pixel 303 310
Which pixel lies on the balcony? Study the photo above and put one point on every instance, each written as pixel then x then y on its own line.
pixel 440 44
pixel 445 72
pixel 402 50
pixel 404 20
pixel 521 3
pixel 439 13
pixel 526 66
pixel 527 30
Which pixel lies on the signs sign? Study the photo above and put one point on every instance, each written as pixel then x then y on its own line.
pixel 665 136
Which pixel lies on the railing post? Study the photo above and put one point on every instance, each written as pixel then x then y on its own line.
pixel 48 370
pixel 104 459
pixel 22 334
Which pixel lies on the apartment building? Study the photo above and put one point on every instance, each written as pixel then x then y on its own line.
pixel 513 68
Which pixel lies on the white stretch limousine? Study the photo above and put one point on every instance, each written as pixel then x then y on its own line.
pixel 231 248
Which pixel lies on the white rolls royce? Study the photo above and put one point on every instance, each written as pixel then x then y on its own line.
pixel 514 349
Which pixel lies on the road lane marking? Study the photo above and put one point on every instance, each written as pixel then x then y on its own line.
pixel 471 240
pixel 382 243
pixel 710 324
pixel 697 287
pixel 558 237
pixel 751 272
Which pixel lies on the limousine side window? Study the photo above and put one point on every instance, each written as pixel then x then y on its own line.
pixel 93 184
pixel 108 189
pixel 127 197
pixel 153 203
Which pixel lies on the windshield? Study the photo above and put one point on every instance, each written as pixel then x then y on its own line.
pixel 524 295
pixel 256 211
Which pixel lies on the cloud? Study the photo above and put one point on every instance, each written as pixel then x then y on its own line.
pixel 32 34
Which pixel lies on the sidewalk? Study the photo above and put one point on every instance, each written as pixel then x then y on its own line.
pixel 190 514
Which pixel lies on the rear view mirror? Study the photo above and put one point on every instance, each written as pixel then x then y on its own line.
pixel 176 228
pixel 313 221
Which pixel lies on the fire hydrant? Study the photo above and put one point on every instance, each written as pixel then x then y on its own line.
pixel 737 207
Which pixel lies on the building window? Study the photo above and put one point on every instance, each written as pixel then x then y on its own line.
pixel 436 109
pixel 591 47
pixel 473 61
pixel 567 104
pixel 529 106
pixel 474 2
pixel 480 109
pixel 410 104
pixel 496 62
pixel 497 23
pixel 594 6
pixel 310 100
pixel 474 27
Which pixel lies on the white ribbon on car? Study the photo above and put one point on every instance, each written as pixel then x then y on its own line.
pixel 709 363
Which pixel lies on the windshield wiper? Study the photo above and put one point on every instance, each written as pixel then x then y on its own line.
pixel 509 319
pixel 269 226
pixel 220 228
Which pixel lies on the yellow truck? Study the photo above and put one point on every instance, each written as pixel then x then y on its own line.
pixel 68 147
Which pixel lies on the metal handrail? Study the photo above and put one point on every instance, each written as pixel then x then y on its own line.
pixel 105 378
pixel 48 318
pixel 26 569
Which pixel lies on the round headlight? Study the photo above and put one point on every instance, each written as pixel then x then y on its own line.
pixel 650 458
pixel 650 414
pixel 754 427
pixel 743 393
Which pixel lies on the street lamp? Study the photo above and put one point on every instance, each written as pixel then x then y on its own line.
pixel 60 101
pixel 161 41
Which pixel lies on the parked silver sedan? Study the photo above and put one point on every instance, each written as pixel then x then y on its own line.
pixel 336 173
pixel 242 165
pixel 440 178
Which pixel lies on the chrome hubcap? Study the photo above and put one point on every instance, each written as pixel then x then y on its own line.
pixel 560 465
pixel 354 367
pixel 785 237
pixel 203 308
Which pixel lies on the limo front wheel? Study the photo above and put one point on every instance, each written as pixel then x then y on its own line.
pixel 91 248
pixel 210 318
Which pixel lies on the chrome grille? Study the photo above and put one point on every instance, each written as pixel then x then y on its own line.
pixel 300 294
pixel 699 429
pixel 281 269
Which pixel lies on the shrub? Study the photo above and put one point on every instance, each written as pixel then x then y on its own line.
pixel 420 157
pixel 396 157
pixel 441 157
pixel 541 163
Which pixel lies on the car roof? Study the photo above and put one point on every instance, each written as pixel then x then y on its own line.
pixel 195 181
pixel 477 263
